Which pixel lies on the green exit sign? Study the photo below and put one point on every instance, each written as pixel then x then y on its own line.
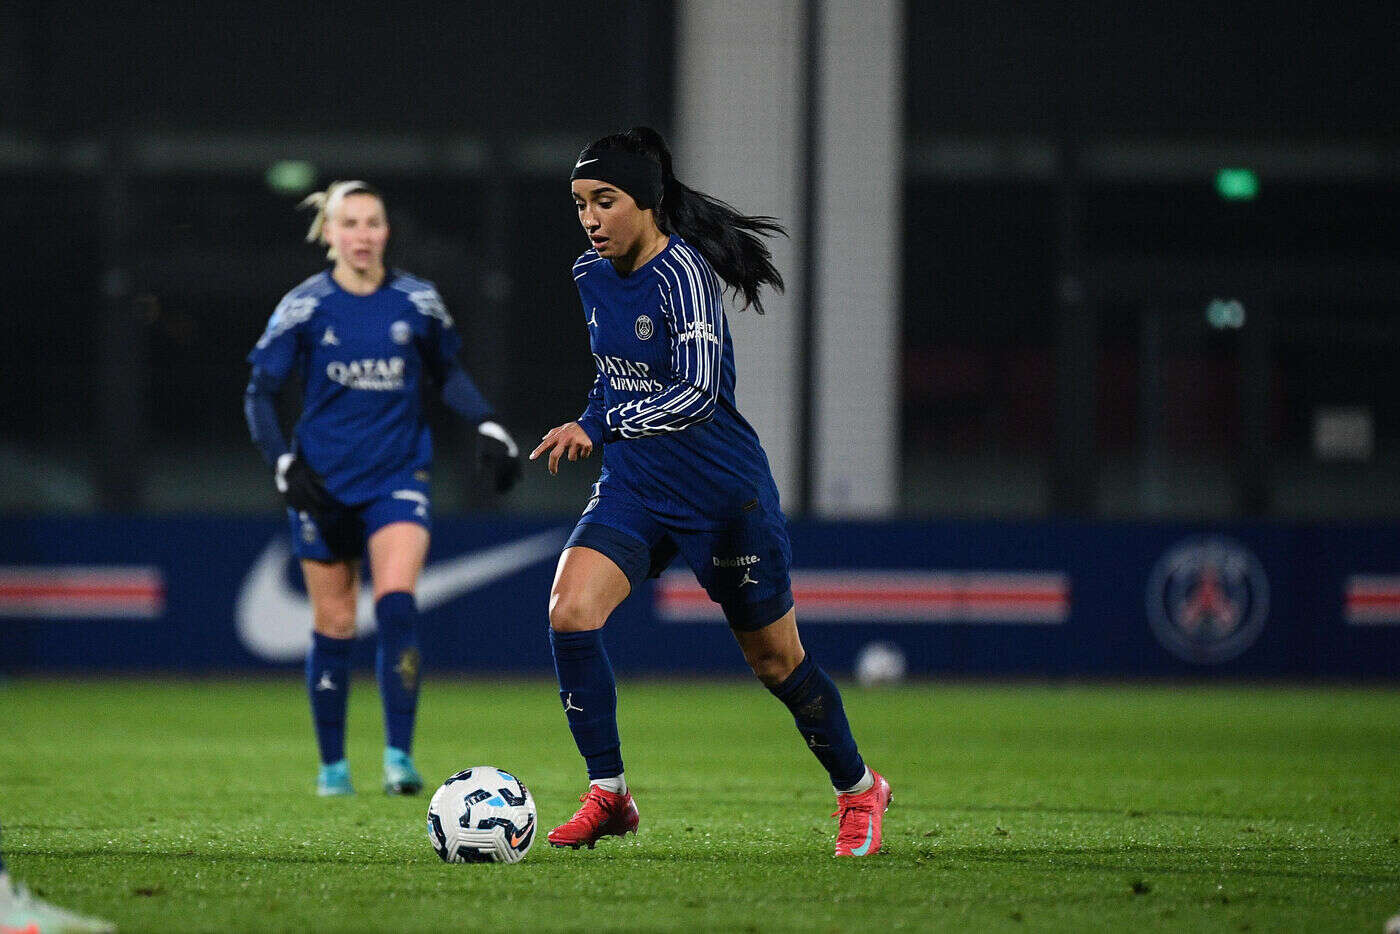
pixel 291 177
pixel 1237 184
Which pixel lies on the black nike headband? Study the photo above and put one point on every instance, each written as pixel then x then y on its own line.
pixel 637 175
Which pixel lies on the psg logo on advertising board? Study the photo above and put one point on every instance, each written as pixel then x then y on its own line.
pixel 1207 599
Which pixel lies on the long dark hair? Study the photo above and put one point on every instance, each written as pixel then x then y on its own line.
pixel 728 240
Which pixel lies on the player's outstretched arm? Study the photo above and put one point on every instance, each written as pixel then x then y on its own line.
pixel 260 409
pixel 567 440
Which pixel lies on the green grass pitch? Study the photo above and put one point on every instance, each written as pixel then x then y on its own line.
pixel 188 806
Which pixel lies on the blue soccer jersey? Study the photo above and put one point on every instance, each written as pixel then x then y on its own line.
pixel 662 403
pixel 362 360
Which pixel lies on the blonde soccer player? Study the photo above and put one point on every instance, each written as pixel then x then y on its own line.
pixel 364 340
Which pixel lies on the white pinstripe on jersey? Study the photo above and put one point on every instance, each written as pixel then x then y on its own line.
pixel 583 261
pixel 693 302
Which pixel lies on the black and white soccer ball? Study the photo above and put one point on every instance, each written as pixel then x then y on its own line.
pixel 482 815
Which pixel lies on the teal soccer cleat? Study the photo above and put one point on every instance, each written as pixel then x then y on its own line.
pixel 23 912
pixel 400 777
pixel 334 780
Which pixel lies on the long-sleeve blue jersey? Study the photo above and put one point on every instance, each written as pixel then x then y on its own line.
pixel 662 403
pixel 362 360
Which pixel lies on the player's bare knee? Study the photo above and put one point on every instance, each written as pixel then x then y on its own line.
pixel 337 623
pixel 772 664
pixel 570 613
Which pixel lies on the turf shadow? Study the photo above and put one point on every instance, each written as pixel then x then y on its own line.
pixel 215 858
pixel 1134 813
pixel 1098 859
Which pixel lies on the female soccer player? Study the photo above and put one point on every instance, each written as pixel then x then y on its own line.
pixel 362 339
pixel 682 472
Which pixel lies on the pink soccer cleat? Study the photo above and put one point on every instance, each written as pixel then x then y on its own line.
pixel 859 819
pixel 604 814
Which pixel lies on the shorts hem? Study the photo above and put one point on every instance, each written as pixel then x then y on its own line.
pixel 751 617
pixel 424 521
pixel 631 554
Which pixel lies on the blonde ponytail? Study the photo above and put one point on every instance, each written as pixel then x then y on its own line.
pixel 326 202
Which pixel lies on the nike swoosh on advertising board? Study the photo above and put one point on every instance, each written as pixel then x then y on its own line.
pixel 274 619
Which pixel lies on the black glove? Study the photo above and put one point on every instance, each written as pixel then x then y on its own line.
pixel 301 487
pixel 497 457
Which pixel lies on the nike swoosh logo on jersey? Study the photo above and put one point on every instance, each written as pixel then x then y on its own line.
pixel 273 619
pixel 580 164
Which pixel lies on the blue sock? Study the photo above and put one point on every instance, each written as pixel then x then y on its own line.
pixel 589 695
pixel 328 686
pixel 397 664
pixel 821 719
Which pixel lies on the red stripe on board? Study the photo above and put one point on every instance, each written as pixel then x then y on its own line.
pixel 856 597
pixel 1372 599
pixel 887 595
pixel 77 592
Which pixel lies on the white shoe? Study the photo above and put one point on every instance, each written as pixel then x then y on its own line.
pixel 22 911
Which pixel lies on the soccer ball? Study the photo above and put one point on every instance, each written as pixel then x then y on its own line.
pixel 879 663
pixel 482 815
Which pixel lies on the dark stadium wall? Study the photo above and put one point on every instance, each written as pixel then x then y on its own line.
pixel 488 68
pixel 1024 599
pixel 999 65
pixel 1151 68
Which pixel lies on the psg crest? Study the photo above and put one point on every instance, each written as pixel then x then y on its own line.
pixel 644 328
pixel 1207 599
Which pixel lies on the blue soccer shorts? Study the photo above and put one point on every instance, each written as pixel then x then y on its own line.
pixel 743 567
pixel 340 534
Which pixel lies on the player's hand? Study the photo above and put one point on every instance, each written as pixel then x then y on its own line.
pixel 497 457
pixel 569 440
pixel 300 486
